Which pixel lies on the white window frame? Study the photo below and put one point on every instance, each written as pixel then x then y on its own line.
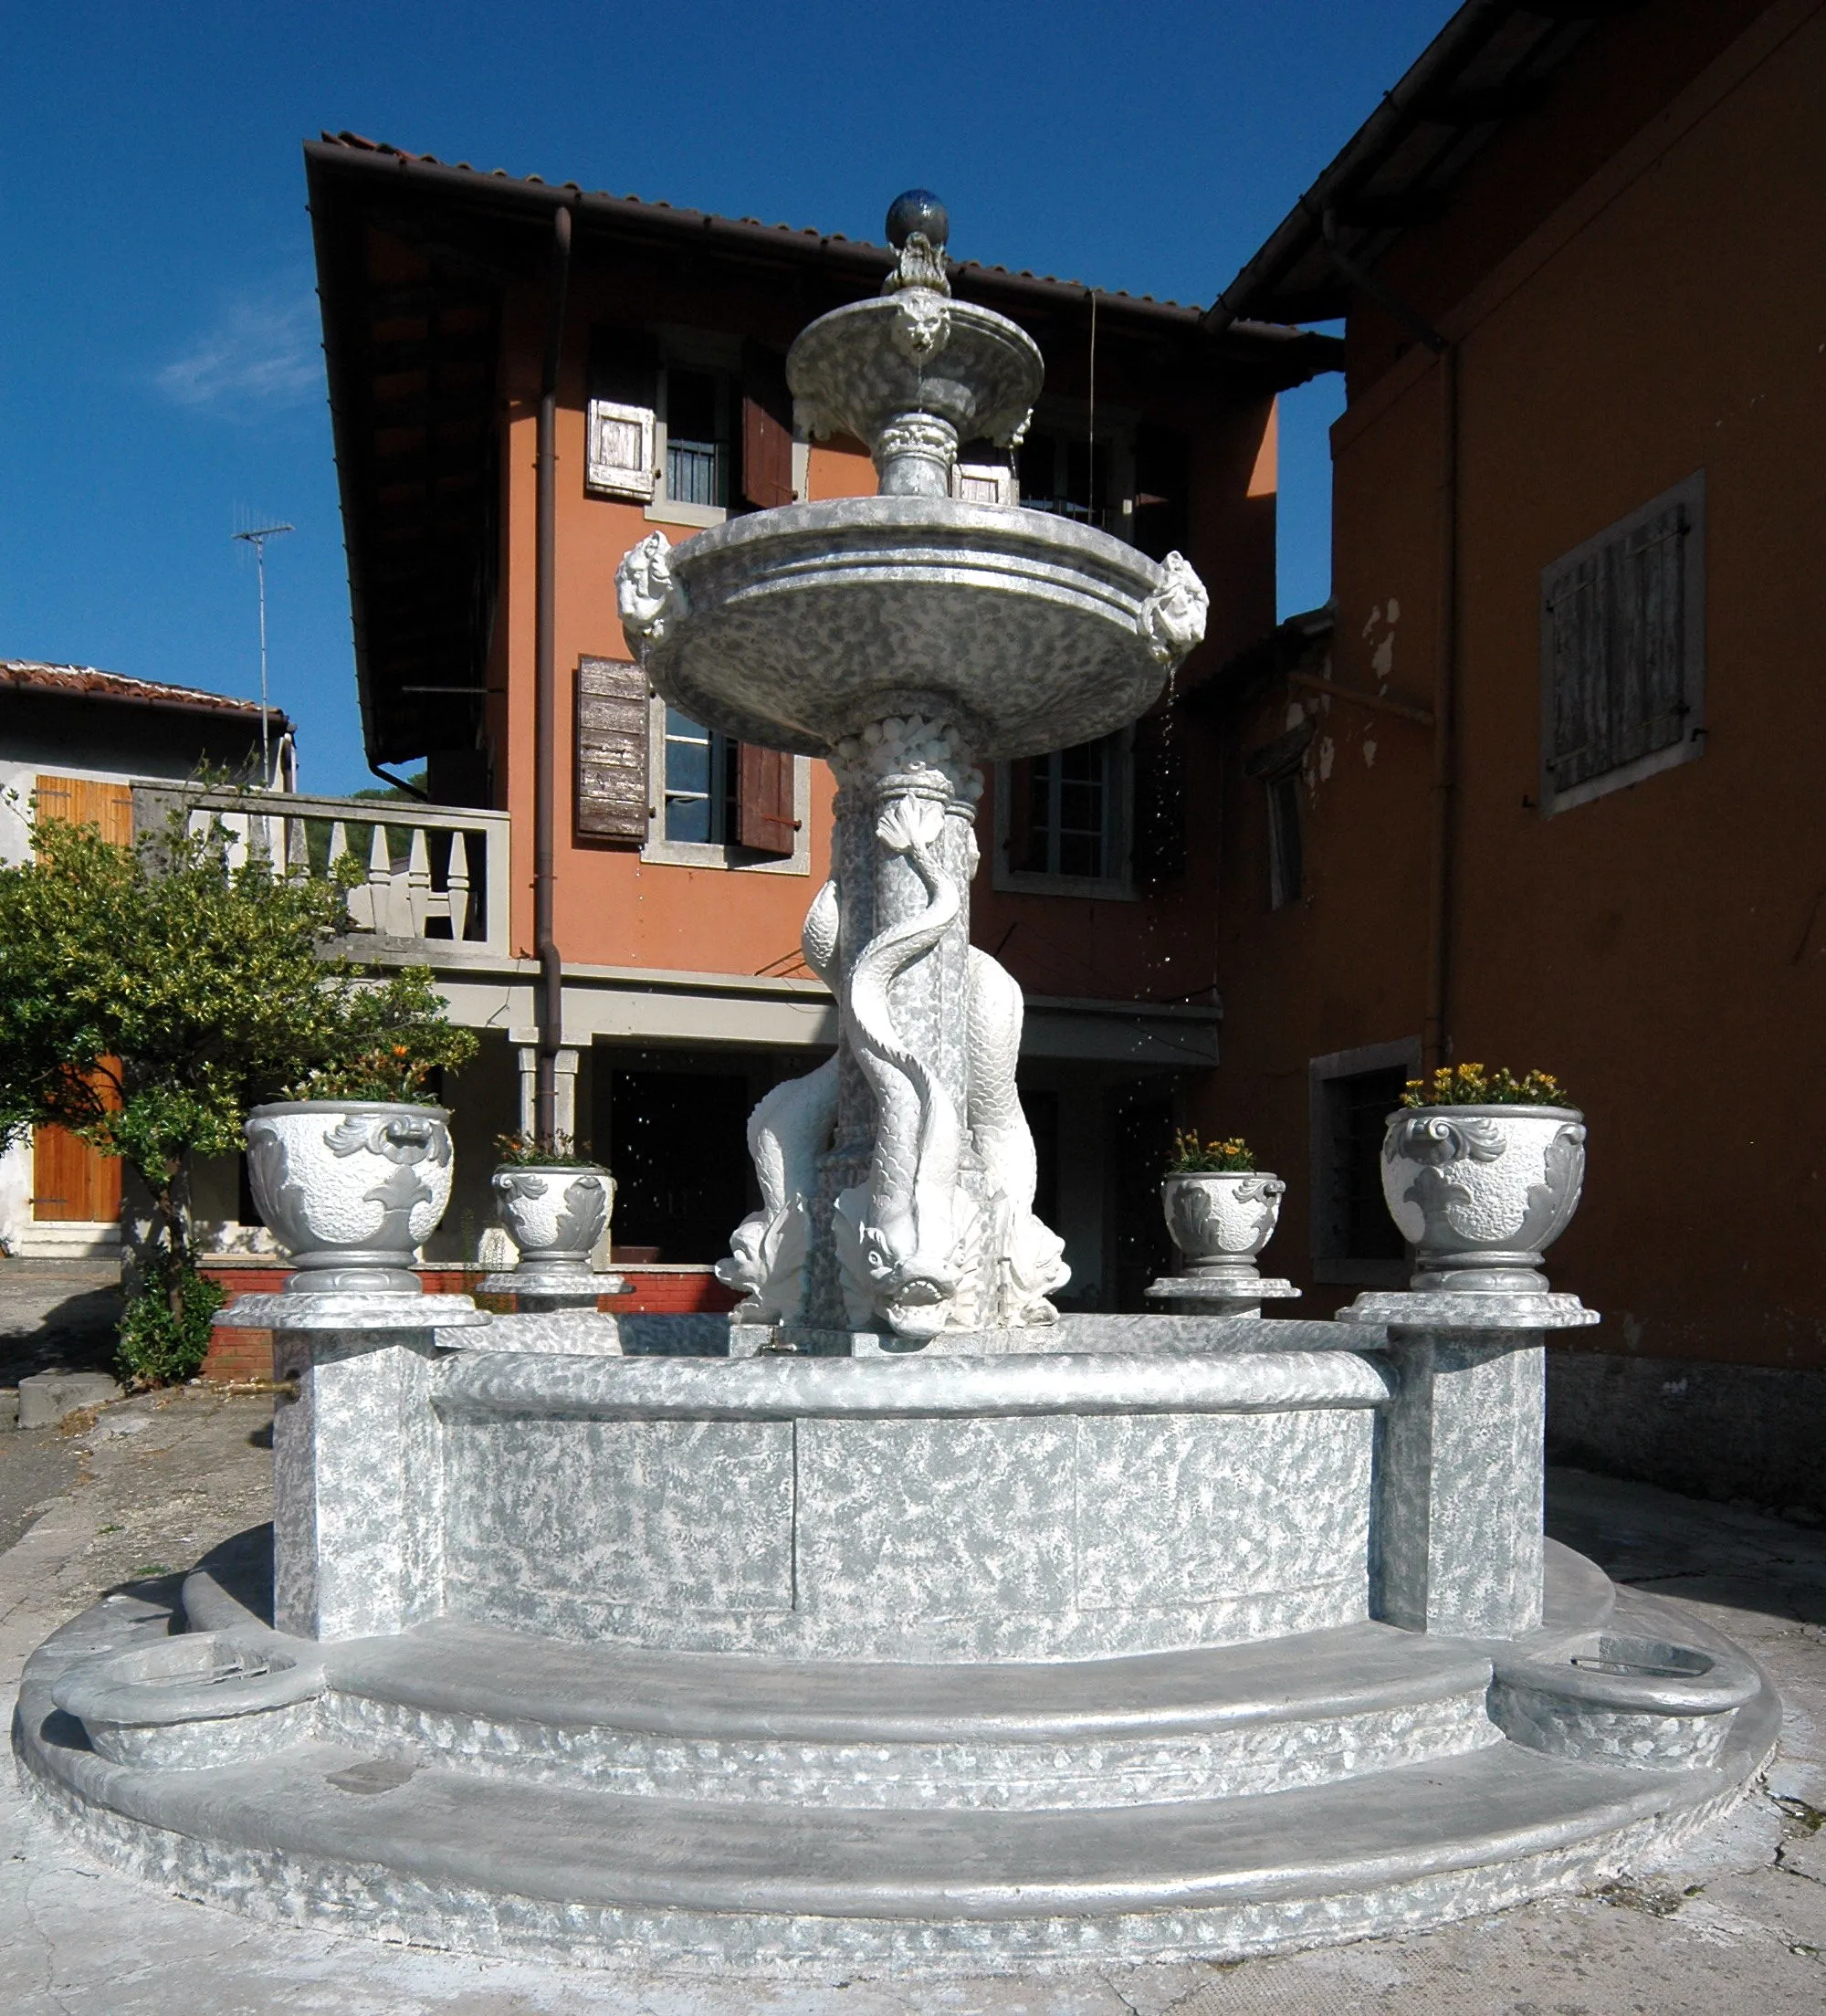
pixel 719 854
pixel 1118 833
pixel 690 350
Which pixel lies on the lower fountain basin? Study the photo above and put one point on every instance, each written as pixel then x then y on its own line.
pixel 953 1510
pixel 800 625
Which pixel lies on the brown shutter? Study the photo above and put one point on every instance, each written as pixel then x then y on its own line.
pixel 766 433
pixel 1650 687
pixel 764 820
pixel 1578 711
pixel 611 743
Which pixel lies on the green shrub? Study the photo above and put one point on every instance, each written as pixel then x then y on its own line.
pixel 165 1332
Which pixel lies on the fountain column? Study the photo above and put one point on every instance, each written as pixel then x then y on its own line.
pixel 901 1203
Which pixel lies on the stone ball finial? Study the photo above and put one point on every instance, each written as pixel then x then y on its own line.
pixel 917 210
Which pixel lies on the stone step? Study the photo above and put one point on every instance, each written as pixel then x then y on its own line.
pixel 497 1865
pixel 1212 1723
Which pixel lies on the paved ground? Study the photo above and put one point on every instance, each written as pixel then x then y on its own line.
pixel 1737 1929
pixel 58 1314
pixel 54 1315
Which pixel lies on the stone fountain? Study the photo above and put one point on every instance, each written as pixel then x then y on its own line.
pixel 900 1622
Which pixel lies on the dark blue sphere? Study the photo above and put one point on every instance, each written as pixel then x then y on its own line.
pixel 917 210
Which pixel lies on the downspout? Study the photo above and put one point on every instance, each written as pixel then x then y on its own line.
pixel 550 1016
pixel 1436 1032
pixel 1436 1046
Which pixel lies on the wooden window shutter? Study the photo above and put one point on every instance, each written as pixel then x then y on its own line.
pixel 87 802
pixel 764 820
pixel 1649 695
pixel 1579 705
pixel 766 431
pixel 611 745
pixel 1623 645
pixel 1158 849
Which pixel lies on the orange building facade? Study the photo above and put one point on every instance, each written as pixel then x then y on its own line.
pixel 682 867
pixel 1538 788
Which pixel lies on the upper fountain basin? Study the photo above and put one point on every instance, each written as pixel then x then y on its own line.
pixel 795 628
pixel 860 368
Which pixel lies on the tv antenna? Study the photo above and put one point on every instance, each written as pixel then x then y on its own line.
pixel 257 536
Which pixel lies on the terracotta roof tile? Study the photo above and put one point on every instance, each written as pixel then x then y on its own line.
pixel 28 675
pixel 358 143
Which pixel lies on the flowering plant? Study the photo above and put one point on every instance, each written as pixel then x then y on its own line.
pixel 1471 1085
pixel 1192 1157
pixel 389 1072
pixel 543 1152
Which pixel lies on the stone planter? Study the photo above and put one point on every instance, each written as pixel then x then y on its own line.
pixel 554 1213
pixel 1481 1191
pixel 350 1188
pixel 1222 1222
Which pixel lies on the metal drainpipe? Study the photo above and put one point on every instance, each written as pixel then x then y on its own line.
pixel 1437 1037
pixel 551 1014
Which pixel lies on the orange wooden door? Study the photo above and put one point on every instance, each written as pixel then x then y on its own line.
pixel 71 1183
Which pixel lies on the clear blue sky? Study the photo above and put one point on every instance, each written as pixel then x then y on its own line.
pixel 160 381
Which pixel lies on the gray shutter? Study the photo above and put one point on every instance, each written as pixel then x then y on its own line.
pixel 1579 698
pixel 1649 687
pixel 611 743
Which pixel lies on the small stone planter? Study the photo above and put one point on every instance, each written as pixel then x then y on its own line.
pixel 1481 1191
pixel 554 1213
pixel 1221 1221
pixel 350 1188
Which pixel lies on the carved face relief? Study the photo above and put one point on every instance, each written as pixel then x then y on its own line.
pixel 645 593
pixel 1172 619
pixel 922 324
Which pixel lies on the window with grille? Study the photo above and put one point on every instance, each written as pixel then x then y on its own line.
pixel 1063 820
pixel 696 438
pixel 1058 473
pixel 1623 651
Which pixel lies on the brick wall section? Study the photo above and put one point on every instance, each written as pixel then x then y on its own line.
pixel 236 1355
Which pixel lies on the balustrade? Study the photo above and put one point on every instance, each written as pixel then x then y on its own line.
pixel 430 874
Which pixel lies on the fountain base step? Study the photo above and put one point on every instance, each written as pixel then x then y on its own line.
pixel 472 1788
pixel 1214 1723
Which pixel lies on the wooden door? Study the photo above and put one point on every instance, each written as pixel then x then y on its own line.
pixel 72 1183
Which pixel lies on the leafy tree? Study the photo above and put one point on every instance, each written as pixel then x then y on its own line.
pixel 149 995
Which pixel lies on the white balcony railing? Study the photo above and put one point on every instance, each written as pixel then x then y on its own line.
pixel 427 875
